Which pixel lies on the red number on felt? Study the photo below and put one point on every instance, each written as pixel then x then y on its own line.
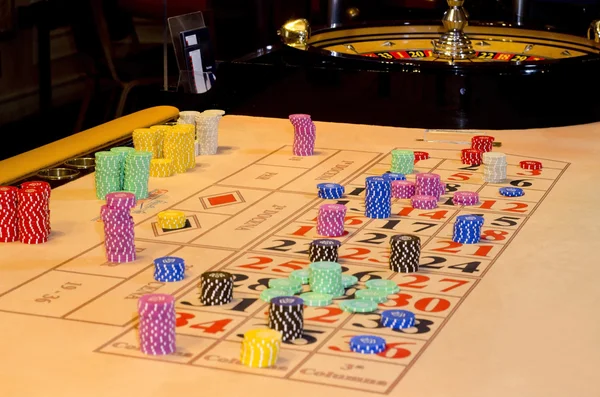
pixel 326 318
pixel 512 207
pixel 437 215
pixel 209 327
pixel 460 176
pixel 422 304
pixel 451 248
pixel 358 255
pixel 350 220
pixel 291 265
pixel 457 283
pixel 393 350
pixel 418 279
pixel 260 260
pixel 494 235
pixel 302 230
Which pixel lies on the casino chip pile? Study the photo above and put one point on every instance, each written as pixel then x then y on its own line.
pixel 330 220
pixel 326 278
pixel 305 134
pixel 157 324
pixel 216 288
pixel 286 315
pixel 122 168
pixel 405 253
pixel 171 219
pixel 119 227
pixel 494 167
pixel 330 191
pixel 467 229
pixel 260 348
pixel 378 197
pixel 323 250
pixel 169 269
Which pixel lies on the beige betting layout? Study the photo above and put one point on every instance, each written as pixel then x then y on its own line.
pixel 513 315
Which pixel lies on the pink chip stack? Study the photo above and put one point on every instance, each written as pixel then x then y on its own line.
pixel 157 324
pixel 305 134
pixel 330 221
pixel 423 202
pixel 9 227
pixel 118 227
pixel 465 198
pixel 403 189
pixel 428 184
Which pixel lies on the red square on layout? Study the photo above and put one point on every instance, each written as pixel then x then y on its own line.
pixel 223 199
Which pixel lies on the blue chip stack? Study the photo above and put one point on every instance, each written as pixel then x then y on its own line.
pixel 467 229
pixel 378 197
pixel 169 269
pixel 367 344
pixel 330 191
pixel 397 319
pixel 394 176
pixel 512 191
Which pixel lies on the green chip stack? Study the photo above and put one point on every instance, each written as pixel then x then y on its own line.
pixel 326 278
pixel 137 173
pixel 403 161
pixel 108 173
pixel 122 151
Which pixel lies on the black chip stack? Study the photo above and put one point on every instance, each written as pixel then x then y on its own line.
pixel 286 314
pixel 216 288
pixel 406 251
pixel 323 250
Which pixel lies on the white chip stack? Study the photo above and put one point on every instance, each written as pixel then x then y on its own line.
pixel 207 131
pixel 494 167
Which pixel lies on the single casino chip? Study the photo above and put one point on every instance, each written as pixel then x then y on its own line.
pixel 316 299
pixel 286 284
pixel 300 275
pixel 271 293
pixel 171 219
pixel 358 306
pixel 387 286
pixel 530 165
pixel 348 280
pixel 397 319
pixel 511 191
pixel 372 295
pixel 367 344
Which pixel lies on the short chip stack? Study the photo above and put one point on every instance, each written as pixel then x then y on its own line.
pixel 511 191
pixel 393 176
pixel 171 219
pixel 330 220
pixel 428 184
pixel 483 143
pixel 305 134
pixel 260 348
pixel 397 319
pixel 9 227
pixel 286 314
pixel 465 198
pixel 169 269
pixel 33 216
pixel 216 288
pixel 405 253
pixel 530 165
pixel 326 278
pixel 378 197
pixel 137 173
pixel 423 202
pixel 467 229
pixel 403 189
pixel 119 227
pixel 494 167
pixel 47 189
pixel 157 324
pixel 207 132
pixel 403 161
pixel 109 166
pixel 161 168
pixel 421 156
pixel 471 156
pixel 330 191
pixel 323 250
pixel 146 140
pixel 367 344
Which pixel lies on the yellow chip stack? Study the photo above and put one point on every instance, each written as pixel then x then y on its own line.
pixel 171 219
pixel 146 140
pixel 173 149
pixel 160 136
pixel 188 132
pixel 161 168
pixel 260 348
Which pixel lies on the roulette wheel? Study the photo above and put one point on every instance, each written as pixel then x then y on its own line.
pixel 453 74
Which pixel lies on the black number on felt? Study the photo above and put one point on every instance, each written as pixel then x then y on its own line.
pixel 241 306
pixel 434 260
pixel 503 221
pixel 262 282
pixel 306 337
pixel 470 168
pixel 356 191
pixel 238 277
pixel 286 243
pixel 378 238
pixel 468 267
pixel 347 204
pixel 421 326
pixel 521 183
pixel 452 187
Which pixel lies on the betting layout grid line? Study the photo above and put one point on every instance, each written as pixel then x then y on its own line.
pixel 424 275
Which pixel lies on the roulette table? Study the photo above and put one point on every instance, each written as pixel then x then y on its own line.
pixel 489 315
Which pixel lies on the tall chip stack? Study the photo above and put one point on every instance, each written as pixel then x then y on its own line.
pixel 178 146
pixel 286 314
pixel 137 173
pixel 108 173
pixel 157 324
pixel 405 253
pixel 187 134
pixel 331 219
pixel 483 143
pixel 260 348
pixel 47 189
pixel 123 152
pixel 146 140
pixel 160 135
pixel 467 229
pixel 428 184
pixel 119 227
pixel 216 288
pixel 494 167
pixel 207 132
pixel 326 278
pixel 9 227
pixel 403 161
pixel 33 215
pixel 378 197
pixel 305 134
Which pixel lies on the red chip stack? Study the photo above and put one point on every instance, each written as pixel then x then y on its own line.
pixel 471 156
pixel 45 186
pixel 483 143
pixel 530 165
pixel 33 215
pixel 9 229
pixel 421 156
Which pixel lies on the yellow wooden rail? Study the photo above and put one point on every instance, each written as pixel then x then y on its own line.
pixel 55 153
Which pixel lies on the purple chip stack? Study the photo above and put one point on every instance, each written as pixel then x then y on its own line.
pixel 118 227
pixel 428 184
pixel 157 324
pixel 423 202
pixel 403 189
pixel 304 134
pixel 465 198
pixel 330 220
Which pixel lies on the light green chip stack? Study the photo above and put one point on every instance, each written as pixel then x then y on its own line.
pixel 358 306
pixel 301 275
pixel 316 299
pixel 403 161
pixel 122 151
pixel 372 295
pixel 387 286
pixel 271 293
pixel 108 173
pixel 326 278
pixel 137 173
pixel 292 286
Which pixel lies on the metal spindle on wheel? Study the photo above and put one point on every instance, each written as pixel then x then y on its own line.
pixel 454 44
